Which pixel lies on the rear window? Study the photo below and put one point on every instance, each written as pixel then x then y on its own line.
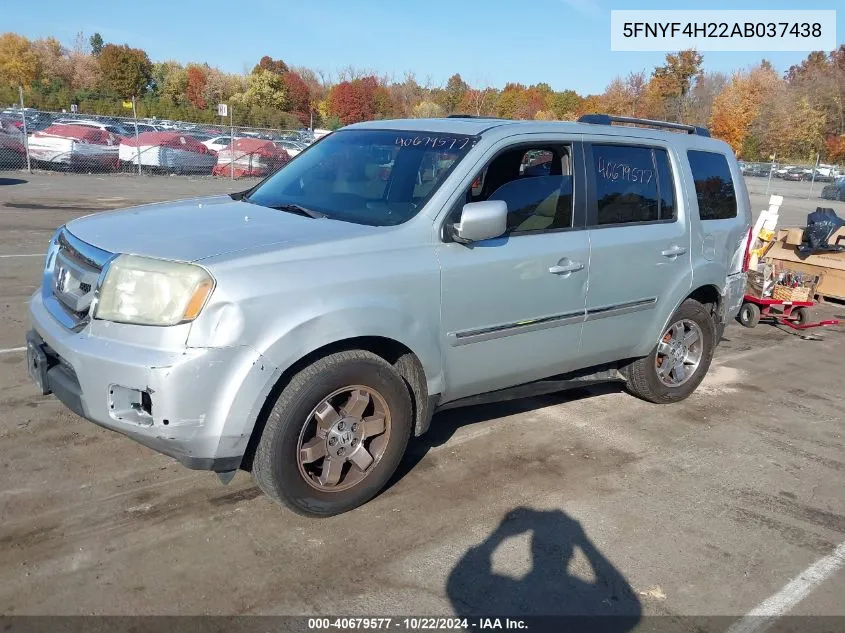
pixel 713 185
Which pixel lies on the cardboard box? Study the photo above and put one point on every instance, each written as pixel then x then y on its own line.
pixel 794 237
pixel 829 266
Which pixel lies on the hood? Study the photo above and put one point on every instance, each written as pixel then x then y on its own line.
pixel 199 228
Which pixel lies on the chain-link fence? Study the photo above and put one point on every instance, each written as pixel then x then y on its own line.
pixel 34 139
pixel 796 179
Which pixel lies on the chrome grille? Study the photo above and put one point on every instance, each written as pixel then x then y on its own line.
pixel 71 278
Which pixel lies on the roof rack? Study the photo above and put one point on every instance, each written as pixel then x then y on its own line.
pixel 608 119
pixel 464 116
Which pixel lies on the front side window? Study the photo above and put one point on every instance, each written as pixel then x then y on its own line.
pixel 375 177
pixel 633 184
pixel 536 184
pixel 714 186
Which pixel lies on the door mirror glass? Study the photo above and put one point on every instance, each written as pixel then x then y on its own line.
pixel 481 221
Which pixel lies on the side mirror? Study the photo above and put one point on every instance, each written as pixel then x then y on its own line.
pixel 481 221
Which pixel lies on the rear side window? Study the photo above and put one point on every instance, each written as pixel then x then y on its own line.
pixel 713 185
pixel 633 184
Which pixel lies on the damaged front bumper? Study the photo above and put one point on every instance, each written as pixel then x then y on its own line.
pixel 197 405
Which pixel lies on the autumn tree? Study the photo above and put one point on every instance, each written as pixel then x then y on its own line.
pixel 195 80
pixel 359 100
pixel 738 106
pixel 276 66
pixel 263 88
pixel 53 61
pixel 170 81
pixel 479 101
pixel 18 62
pixel 835 148
pixel 519 102
pixel 298 96
pixel 616 99
pixel 673 81
pixel 96 43
pixel 427 110
pixel 126 71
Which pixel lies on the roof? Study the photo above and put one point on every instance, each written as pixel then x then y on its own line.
pixel 507 127
pixel 452 125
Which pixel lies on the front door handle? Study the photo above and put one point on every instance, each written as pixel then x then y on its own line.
pixel 563 269
pixel 673 251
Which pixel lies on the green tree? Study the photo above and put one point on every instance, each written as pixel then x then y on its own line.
pixel 564 104
pixel 96 42
pixel 126 71
pixel 453 93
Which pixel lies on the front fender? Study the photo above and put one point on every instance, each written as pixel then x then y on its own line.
pixel 372 316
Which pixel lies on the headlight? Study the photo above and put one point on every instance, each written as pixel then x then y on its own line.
pixel 148 291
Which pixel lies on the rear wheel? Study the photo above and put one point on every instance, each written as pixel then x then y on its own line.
pixel 680 360
pixel 335 435
pixel 749 314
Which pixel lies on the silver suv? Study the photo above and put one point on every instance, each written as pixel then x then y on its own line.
pixel 305 329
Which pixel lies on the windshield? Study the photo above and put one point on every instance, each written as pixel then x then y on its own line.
pixel 375 177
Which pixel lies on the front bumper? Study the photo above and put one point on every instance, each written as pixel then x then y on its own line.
pixel 197 405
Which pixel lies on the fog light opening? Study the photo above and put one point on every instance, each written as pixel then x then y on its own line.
pixel 146 403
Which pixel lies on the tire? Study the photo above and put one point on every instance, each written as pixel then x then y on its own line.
pixel 278 469
pixel 644 380
pixel 749 314
pixel 801 316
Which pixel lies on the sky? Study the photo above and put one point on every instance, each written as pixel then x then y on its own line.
pixel 565 43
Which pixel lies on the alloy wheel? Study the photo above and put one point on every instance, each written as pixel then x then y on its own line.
pixel 679 353
pixel 343 438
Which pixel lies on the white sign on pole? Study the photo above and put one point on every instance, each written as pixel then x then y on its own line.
pixel 222 109
pixel 74 108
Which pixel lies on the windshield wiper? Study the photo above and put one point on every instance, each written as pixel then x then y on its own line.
pixel 299 210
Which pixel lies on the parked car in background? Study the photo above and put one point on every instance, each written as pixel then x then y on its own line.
pixel 252 157
pixel 291 147
pixel 219 142
pixel 142 127
pixel 12 150
pixel 114 128
pixel 835 190
pixel 796 174
pixel 305 329
pixel 79 147
pixel 169 151
pixel 759 171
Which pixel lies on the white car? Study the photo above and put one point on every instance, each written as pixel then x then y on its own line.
pixel 219 142
pixel 291 147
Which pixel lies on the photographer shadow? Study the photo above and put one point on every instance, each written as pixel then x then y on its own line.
pixel 549 589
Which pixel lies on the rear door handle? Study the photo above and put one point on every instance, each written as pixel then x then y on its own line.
pixel 673 251
pixel 563 269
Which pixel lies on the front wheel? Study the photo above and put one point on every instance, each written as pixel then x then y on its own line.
pixel 679 360
pixel 801 316
pixel 335 435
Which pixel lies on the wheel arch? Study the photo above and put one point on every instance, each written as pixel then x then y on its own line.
pixel 707 294
pixel 403 359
